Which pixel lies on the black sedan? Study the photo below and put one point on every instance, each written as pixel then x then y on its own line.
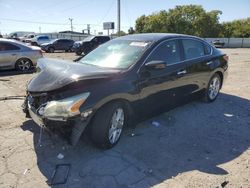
pixel 57 44
pixel 106 87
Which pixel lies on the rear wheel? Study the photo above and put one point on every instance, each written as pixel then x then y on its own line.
pixel 108 124
pixel 23 64
pixel 213 88
pixel 51 50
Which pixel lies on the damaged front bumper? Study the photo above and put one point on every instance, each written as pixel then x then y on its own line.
pixel 73 127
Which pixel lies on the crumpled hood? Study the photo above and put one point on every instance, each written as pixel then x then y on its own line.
pixel 55 73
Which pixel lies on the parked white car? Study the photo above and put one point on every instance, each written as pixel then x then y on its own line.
pixel 40 39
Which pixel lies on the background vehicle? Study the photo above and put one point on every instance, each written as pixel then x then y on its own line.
pixel 18 34
pixel 40 39
pixel 58 44
pixel 88 44
pixel 15 55
pixel 27 38
pixel 218 43
pixel 120 78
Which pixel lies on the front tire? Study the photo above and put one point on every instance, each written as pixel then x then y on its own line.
pixel 107 126
pixel 213 88
pixel 51 50
pixel 78 53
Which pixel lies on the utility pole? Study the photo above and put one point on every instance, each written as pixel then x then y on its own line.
pixel 71 19
pixel 118 17
pixel 88 29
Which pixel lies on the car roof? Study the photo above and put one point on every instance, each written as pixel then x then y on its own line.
pixel 10 41
pixel 152 36
pixel 20 44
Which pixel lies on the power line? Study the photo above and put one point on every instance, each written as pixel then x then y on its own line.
pixel 45 23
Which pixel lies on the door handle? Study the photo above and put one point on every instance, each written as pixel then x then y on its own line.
pixel 13 54
pixel 181 72
pixel 210 62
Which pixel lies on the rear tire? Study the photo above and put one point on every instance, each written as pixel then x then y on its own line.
pixel 23 64
pixel 213 89
pixel 51 50
pixel 108 124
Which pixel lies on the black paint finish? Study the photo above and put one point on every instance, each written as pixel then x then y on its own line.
pixel 139 86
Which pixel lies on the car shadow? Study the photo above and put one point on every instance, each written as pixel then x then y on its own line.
pixel 15 72
pixel 196 136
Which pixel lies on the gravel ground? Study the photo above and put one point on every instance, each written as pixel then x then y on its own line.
pixel 196 145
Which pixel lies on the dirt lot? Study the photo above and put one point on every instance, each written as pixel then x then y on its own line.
pixel 196 145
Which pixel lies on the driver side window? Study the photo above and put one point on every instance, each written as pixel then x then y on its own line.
pixel 168 51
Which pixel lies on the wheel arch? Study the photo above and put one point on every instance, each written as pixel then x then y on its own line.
pixel 221 76
pixel 127 104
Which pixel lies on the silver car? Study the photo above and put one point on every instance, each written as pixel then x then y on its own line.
pixel 16 55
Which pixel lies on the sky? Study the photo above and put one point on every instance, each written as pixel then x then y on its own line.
pixel 53 15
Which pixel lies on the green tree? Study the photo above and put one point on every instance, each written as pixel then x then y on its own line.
pixel 131 30
pixel 187 19
pixel 236 28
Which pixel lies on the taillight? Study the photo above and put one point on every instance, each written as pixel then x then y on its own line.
pixel 40 52
pixel 225 57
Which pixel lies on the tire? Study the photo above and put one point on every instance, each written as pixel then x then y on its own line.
pixel 78 53
pixel 105 131
pixel 51 50
pixel 34 44
pixel 23 64
pixel 213 89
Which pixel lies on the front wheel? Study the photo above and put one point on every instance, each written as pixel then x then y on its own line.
pixel 78 53
pixel 213 88
pixel 51 50
pixel 107 126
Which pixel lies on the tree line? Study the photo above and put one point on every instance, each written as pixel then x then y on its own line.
pixel 191 20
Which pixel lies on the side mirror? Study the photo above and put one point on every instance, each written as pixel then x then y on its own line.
pixel 155 65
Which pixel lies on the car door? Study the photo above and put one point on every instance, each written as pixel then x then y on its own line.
pixel 198 58
pixel 64 44
pixel 8 54
pixel 162 86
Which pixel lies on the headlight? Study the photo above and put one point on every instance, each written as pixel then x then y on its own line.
pixel 66 107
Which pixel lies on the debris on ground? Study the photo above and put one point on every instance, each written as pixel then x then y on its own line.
pixel 156 123
pixel 60 156
pixel 25 171
pixel 224 183
pixel 12 98
pixel 60 174
pixel 228 115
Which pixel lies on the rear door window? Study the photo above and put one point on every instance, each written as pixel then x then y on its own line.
pixel 193 49
pixel 168 51
pixel 4 46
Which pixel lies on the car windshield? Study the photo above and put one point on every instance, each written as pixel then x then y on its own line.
pixel 118 54
pixel 89 38
pixel 53 40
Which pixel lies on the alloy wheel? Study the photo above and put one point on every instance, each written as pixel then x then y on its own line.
pixel 117 122
pixel 24 64
pixel 214 88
